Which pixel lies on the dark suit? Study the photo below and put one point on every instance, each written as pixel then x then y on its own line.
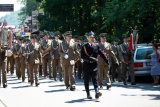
pixel 127 61
pixel 90 66
pixel 115 67
pixel 56 61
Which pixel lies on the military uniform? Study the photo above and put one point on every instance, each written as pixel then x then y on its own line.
pixel 69 53
pixel 40 65
pixel 16 51
pixel 89 54
pixel 115 67
pixel 127 61
pixel 46 44
pixel 3 64
pixel 56 58
pixel 79 62
pixel 22 59
pixel 103 68
pixel 33 58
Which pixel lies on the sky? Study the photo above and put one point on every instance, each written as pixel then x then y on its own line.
pixel 17 6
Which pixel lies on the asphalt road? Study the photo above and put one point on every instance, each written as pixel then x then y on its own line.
pixel 54 94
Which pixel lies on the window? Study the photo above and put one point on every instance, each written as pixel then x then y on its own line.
pixel 144 53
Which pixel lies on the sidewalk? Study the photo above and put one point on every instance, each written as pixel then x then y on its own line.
pixel 2 104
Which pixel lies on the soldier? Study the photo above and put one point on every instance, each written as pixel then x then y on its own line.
pixel 103 68
pixel 127 61
pixel 115 67
pixel 89 54
pixel 3 62
pixel 22 58
pixel 46 58
pixel 16 52
pixel 33 58
pixel 79 63
pixel 69 53
pixel 56 57
pixel 40 66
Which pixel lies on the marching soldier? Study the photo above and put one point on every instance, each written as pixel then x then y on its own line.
pixel 3 62
pixel 115 67
pixel 22 58
pixel 103 68
pixel 45 50
pixel 16 52
pixel 40 66
pixel 33 58
pixel 79 63
pixel 89 54
pixel 69 53
pixel 56 57
pixel 127 61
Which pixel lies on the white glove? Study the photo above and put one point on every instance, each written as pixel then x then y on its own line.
pixel 66 56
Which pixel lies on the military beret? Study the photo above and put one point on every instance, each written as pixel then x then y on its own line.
pixel 24 40
pixel 103 35
pixel 41 36
pixel 90 34
pixel 116 40
pixel 80 38
pixel 75 36
pixel 125 36
pixel 57 33
pixel 20 38
pixel 68 33
pixel 33 37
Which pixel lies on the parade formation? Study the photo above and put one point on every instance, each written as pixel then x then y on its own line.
pixel 41 55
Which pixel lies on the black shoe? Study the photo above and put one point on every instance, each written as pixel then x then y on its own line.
pixel 31 84
pixel 79 77
pixel 67 88
pixel 89 97
pixel 101 87
pixel 98 95
pixel 125 83
pixel 5 85
pixel 108 87
pixel 133 83
pixel 119 81
pixel 37 84
pixel 29 81
pixel 50 77
pixel 72 88
pixel 55 79
pixel 61 79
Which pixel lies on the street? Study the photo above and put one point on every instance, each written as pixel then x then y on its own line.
pixel 54 94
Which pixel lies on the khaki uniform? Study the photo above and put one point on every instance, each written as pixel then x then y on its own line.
pixel 3 64
pixel 40 65
pixel 56 61
pixel 47 58
pixel 69 49
pixel 115 67
pixel 127 61
pixel 16 48
pixel 22 61
pixel 103 68
pixel 33 58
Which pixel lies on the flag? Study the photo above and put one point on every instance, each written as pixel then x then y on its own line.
pixel 131 42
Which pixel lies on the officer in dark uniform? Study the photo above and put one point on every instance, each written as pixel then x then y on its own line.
pixel 89 54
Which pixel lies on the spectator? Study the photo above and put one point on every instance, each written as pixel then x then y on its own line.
pixel 155 69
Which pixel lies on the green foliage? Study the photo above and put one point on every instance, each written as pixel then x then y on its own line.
pixel 115 17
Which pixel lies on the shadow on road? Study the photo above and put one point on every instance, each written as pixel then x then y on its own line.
pixel 52 91
pixel 21 87
pixel 82 100
pixel 15 83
